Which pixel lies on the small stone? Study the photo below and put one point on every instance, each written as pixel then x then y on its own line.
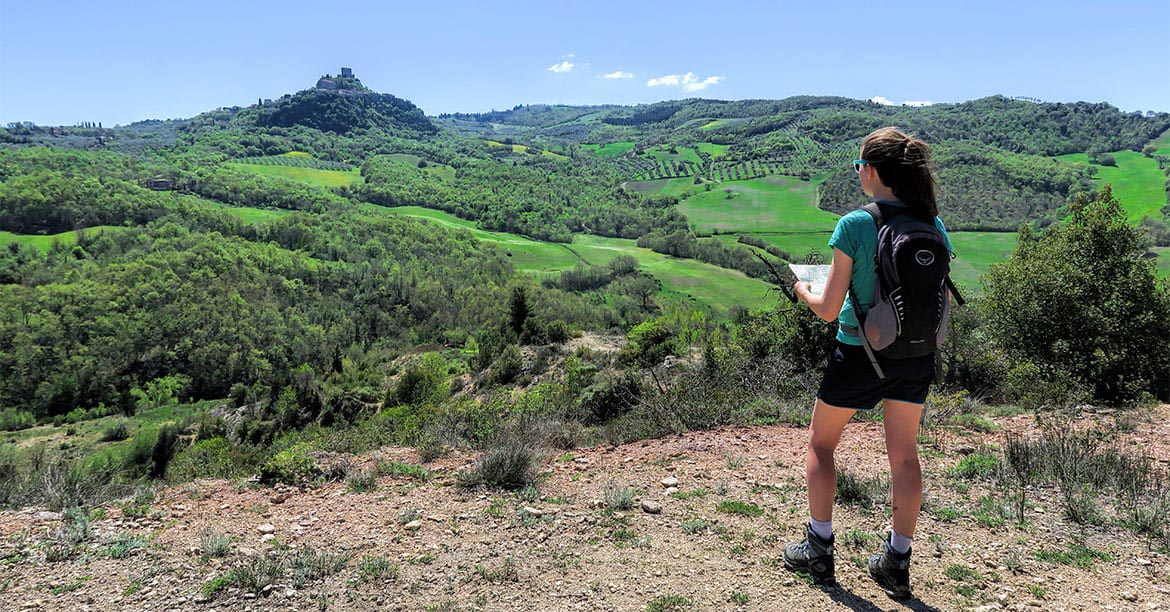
pixel 965 450
pixel 581 460
pixel 268 537
pixel 414 525
pixel 279 498
pixel 1128 596
pixel 266 528
pixel 670 490
pixel 670 481
pixel 529 510
pixel 1141 561
pixel 650 507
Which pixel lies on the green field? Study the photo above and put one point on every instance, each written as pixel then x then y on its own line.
pixel 1162 264
pixel 681 278
pixel 527 255
pixel 45 242
pixel 683 154
pixel 250 215
pixel 444 172
pixel 612 149
pixel 716 151
pixel 717 123
pixel 1137 182
pixel 677 187
pixel 770 204
pixel 519 148
pixel 313 176
pixel 1163 143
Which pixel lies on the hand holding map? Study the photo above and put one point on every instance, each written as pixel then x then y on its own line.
pixel 815 276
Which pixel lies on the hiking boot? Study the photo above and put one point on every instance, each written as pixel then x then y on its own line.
pixel 813 555
pixel 891 570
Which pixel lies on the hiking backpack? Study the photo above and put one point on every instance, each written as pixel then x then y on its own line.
pixel 910 308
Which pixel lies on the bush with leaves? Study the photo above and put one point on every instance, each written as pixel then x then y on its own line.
pixel 1079 297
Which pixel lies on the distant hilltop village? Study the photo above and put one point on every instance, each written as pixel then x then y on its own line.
pixel 344 83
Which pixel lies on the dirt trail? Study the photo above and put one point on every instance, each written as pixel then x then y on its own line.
pixel 490 550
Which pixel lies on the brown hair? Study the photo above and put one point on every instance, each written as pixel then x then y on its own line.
pixel 903 164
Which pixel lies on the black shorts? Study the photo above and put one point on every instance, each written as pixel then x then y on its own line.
pixel 851 382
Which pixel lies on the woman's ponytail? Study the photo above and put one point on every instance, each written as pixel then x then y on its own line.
pixel 903 164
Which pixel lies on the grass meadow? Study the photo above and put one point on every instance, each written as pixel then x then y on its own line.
pixel 684 154
pixel 680 278
pixel 677 187
pixel 716 151
pixel 769 204
pixel 612 149
pixel 45 241
pixel 519 148
pixel 1137 182
pixel 444 172
pixel 313 176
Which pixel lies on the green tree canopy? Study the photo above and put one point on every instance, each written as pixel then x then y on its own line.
pixel 1081 297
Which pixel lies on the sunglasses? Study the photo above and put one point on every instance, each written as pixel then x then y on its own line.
pixel 857 164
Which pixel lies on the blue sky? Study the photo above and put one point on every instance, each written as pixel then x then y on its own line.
pixel 117 61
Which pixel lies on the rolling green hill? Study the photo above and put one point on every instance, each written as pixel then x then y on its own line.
pixel 681 278
pixel 1137 182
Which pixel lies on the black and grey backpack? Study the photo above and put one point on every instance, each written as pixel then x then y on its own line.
pixel 910 307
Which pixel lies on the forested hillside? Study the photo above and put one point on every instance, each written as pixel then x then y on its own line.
pixel 251 258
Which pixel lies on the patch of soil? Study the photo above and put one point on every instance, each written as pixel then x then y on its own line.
pixel 565 550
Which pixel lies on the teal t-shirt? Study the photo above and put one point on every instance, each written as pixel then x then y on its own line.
pixel 856 236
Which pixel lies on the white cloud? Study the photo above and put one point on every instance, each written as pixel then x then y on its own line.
pixel 617 75
pixel 670 79
pixel 884 101
pixel 688 81
pixel 565 66
pixel 692 83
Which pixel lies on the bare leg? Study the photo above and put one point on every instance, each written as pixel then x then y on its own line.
pixel 820 473
pixel 901 424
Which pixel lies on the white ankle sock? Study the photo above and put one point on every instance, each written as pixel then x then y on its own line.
pixel 900 543
pixel 823 529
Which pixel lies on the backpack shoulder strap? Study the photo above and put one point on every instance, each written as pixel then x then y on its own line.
pixel 875 211
pixel 955 291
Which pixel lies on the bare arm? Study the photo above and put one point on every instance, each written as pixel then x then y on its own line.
pixel 828 305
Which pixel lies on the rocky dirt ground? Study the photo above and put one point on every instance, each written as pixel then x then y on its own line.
pixel 425 544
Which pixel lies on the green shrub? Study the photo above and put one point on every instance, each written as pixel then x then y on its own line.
pixel 212 458
pixel 360 481
pixel 163 449
pixel 507 366
pixel 124 545
pixel 12 419
pixel 511 465
pixel 214 543
pixel 291 466
pixel 116 431
pixel 423 382
pixel 741 508
pixel 859 491
pixel 976 465
pixel 1080 298
pixel 619 497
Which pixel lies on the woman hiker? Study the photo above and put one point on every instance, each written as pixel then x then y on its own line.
pixel 894 170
